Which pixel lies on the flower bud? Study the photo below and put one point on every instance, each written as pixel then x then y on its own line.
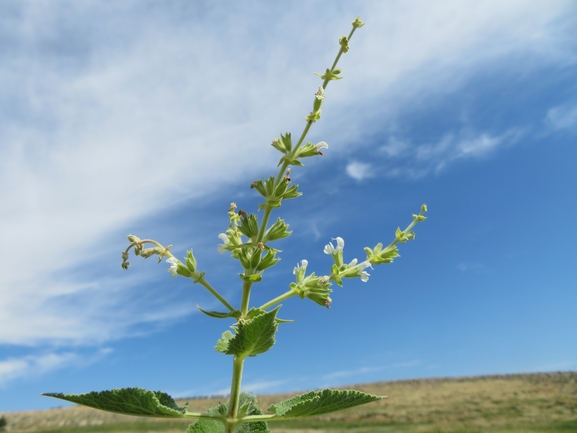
pixel 357 23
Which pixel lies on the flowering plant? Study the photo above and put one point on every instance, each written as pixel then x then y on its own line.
pixel 248 239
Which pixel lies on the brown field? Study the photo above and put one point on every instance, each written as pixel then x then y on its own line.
pixel 541 402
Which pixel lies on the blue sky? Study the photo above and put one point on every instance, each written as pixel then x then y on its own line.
pixel 151 117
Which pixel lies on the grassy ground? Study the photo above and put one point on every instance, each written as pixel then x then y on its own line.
pixel 524 403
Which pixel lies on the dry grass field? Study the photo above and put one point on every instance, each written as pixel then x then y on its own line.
pixel 542 402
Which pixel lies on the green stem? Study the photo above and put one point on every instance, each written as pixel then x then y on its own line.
pixel 233 405
pixel 245 298
pixel 278 299
pixel 217 295
pixel 268 211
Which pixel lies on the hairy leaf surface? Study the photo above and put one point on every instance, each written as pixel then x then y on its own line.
pixel 319 402
pixel 129 401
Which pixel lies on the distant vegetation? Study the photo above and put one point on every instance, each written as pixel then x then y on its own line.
pixel 520 403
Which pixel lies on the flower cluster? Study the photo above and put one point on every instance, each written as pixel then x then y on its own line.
pixel 341 270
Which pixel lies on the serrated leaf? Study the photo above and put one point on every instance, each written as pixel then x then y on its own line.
pixel 222 344
pixel 129 401
pixel 254 337
pixel 319 402
pixel 246 401
pixel 218 315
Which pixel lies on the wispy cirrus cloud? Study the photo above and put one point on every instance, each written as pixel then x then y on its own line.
pixel 562 117
pixel 38 365
pixel 115 111
pixel 366 370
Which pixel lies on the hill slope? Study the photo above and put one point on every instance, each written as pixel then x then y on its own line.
pixel 541 402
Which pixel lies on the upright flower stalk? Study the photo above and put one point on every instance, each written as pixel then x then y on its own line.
pixel 248 239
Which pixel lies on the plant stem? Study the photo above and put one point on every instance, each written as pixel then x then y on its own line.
pixel 217 295
pixel 278 299
pixel 237 366
pixel 245 298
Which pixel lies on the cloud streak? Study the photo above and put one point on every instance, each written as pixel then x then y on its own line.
pixel 117 111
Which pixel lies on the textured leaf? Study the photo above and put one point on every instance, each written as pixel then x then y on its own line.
pixel 319 402
pixel 218 315
pixel 248 402
pixel 222 344
pixel 130 401
pixel 254 337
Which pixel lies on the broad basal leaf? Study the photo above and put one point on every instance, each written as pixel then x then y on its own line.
pixel 129 401
pixel 319 402
pixel 248 403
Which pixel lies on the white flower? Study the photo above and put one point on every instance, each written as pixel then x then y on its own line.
pixel 364 265
pixel 320 93
pixel 222 247
pixel 321 145
pixel 173 266
pixel 330 249
pixel 303 265
pixel 365 276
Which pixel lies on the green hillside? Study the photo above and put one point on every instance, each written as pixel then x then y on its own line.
pixel 541 402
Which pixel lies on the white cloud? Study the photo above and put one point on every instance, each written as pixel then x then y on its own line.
pixel 419 160
pixel 33 366
pixel 114 111
pixel 562 117
pixel 359 170
pixel 364 370
pixel 465 266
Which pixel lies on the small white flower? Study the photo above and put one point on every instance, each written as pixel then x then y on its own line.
pixel 222 247
pixel 364 265
pixel 365 276
pixel 303 264
pixel 321 145
pixel 330 249
pixel 320 93
pixel 173 266
pixel 353 263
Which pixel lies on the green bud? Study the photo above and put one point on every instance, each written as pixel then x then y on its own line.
pixel 259 186
pixel 423 208
pixel 133 239
pixel 254 278
pixel 255 258
pixel 191 262
pixel 313 116
pixel 249 226
pixel 286 141
pixel 291 193
pixel 357 23
pixel 330 75
pixel 267 261
pixel 183 270
pixel 147 252
pixel 315 288
pixel 277 231
pixel 244 258
pixel 344 42
pixel 278 145
pixel 419 218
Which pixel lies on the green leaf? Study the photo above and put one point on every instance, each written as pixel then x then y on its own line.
pixel 248 405
pixel 319 402
pixel 218 315
pixel 254 337
pixel 129 401
pixel 222 344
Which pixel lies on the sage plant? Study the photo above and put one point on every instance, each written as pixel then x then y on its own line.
pixel 249 239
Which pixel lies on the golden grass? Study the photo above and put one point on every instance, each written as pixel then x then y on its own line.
pixel 511 403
